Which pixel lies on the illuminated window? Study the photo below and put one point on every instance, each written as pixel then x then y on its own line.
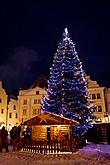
pixel 10 115
pixel 39 111
pixel 98 96
pixel 37 92
pixel 24 111
pixel 14 107
pixel 105 114
pixel 25 101
pixel 93 96
pixel 0 100
pixel 2 111
pixel 89 95
pixel 34 111
pixel 35 101
pixel 39 101
pixel 99 108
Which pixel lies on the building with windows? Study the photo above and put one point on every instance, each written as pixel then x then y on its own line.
pixel 29 103
pixel 15 110
pixel 107 99
pixel 12 119
pixel 3 106
pixel 97 96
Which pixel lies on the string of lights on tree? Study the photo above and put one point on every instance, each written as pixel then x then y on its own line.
pixel 67 92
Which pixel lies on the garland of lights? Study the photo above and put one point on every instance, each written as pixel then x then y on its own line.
pixel 67 92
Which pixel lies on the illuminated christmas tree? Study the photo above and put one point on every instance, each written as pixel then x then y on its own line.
pixel 67 92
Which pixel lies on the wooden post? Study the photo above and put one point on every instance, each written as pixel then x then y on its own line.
pixel 71 139
pixel 49 146
pixel 54 147
pixel 57 147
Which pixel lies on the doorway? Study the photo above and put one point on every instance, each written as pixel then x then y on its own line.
pixel 48 133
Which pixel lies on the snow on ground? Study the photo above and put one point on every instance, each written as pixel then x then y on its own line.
pixel 93 154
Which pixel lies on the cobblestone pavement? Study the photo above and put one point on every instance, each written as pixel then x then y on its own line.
pixel 86 156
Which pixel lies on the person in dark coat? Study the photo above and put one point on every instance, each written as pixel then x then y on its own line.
pixel 19 131
pixel 15 138
pixel 19 138
pixel 11 136
pixel 4 139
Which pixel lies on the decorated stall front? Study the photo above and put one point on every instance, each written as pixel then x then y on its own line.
pixel 50 127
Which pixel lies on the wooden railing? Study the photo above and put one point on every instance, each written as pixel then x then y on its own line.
pixel 43 146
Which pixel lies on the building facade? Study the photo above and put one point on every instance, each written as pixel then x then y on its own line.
pixel 12 119
pixel 3 106
pixel 97 96
pixel 107 99
pixel 8 110
pixel 29 103
pixel 14 111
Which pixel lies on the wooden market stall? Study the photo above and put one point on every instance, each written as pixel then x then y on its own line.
pixel 99 133
pixel 50 127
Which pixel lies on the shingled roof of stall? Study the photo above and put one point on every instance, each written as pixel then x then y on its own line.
pixel 48 118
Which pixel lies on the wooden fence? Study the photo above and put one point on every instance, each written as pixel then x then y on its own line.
pixel 42 146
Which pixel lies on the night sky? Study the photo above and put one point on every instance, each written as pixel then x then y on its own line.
pixel 31 31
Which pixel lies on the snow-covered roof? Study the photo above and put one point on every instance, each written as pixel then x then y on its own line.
pixel 48 118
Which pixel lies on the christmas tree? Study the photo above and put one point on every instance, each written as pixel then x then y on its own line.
pixel 67 92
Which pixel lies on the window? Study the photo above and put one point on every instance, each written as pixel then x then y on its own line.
pixel 14 107
pixel 39 101
pixel 24 111
pixel 16 115
pixel 37 92
pixel 43 96
pixel 93 96
pixel 0 100
pixel 34 111
pixel 105 114
pixel 35 101
pixel 98 96
pixel 2 111
pixel 25 101
pixel 39 111
pixel 10 115
pixel 99 108
pixel 89 95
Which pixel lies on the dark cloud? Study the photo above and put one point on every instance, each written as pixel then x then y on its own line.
pixel 17 68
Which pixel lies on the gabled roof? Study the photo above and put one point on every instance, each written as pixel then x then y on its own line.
pixel 48 118
pixel 92 83
pixel 32 91
pixel 41 81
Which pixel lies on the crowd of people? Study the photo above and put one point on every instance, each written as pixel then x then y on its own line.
pixel 15 137
pixel 4 139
